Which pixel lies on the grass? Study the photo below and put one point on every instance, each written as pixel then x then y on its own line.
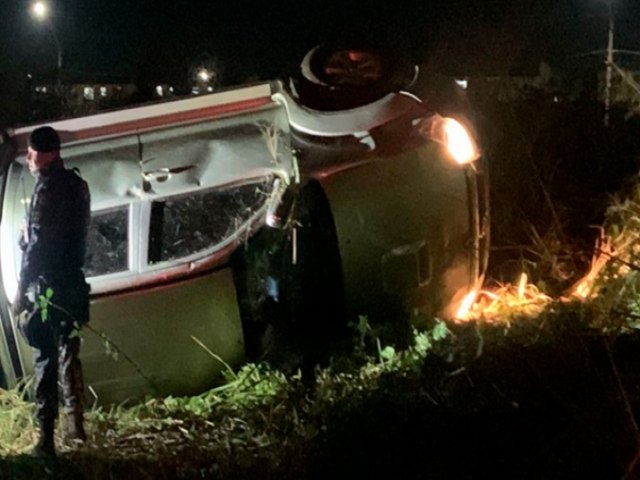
pixel 538 388
pixel 552 378
pixel 17 424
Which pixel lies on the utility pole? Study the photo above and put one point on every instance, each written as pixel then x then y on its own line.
pixel 609 72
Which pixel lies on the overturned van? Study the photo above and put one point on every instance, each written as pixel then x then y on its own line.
pixel 221 221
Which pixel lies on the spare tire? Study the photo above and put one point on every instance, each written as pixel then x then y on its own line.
pixel 341 78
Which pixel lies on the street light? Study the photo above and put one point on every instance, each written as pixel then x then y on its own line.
pixel 41 12
pixel 204 75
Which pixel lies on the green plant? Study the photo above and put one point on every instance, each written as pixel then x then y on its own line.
pixel 44 301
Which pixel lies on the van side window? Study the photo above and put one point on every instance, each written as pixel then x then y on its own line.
pixel 184 225
pixel 107 242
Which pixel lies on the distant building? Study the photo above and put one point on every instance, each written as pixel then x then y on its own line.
pixel 89 98
pixel 511 86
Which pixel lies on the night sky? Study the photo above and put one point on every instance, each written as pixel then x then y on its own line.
pixel 163 39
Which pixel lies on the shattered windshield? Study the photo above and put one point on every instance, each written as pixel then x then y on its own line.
pixel 188 224
pixel 107 246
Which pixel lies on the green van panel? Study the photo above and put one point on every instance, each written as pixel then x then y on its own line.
pixel 151 351
pixel 404 231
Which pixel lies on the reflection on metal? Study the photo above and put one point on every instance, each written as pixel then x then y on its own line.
pixel 341 123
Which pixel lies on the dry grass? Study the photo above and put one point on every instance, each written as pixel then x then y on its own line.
pixel 18 430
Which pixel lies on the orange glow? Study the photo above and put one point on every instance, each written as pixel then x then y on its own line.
pixel 522 285
pixel 466 304
pixel 604 251
pixel 459 142
pixel 461 146
pixel 504 302
pixel 511 300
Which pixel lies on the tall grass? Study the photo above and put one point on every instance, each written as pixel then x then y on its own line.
pixel 18 430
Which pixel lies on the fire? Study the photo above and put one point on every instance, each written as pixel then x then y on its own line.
pixel 522 285
pixel 466 304
pixel 603 253
pixel 503 302
pixel 506 301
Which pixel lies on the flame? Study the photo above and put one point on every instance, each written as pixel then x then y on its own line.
pixel 522 285
pixel 507 301
pixel 503 302
pixel 466 304
pixel 603 253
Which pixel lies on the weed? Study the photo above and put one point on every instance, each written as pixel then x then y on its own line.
pixel 17 424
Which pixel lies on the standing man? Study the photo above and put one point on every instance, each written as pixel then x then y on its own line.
pixel 53 297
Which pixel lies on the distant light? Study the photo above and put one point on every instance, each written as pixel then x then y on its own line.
pixel 40 10
pixel 159 90
pixel 204 75
pixel 209 88
pixel 170 89
pixel 89 93
pixel 195 90
pixel 103 91
pixel 29 76
pixel 463 83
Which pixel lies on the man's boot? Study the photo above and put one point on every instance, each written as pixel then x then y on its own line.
pixel 75 426
pixel 46 446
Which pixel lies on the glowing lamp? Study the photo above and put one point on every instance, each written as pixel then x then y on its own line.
pixel 40 10
pixel 460 145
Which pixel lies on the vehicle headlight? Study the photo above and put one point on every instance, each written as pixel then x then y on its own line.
pixel 460 145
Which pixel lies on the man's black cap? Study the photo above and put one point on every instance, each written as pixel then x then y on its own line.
pixel 44 139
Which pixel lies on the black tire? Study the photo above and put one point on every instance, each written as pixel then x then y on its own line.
pixel 341 78
pixel 293 313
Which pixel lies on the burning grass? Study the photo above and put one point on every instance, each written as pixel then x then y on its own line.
pixel 506 302
pixel 548 383
pixel 610 288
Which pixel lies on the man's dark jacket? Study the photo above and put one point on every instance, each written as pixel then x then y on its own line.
pixel 57 229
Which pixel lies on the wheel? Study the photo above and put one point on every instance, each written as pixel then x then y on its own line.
pixel 290 287
pixel 340 78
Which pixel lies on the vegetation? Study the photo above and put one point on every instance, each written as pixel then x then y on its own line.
pixel 543 385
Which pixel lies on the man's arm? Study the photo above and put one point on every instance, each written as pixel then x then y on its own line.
pixel 42 231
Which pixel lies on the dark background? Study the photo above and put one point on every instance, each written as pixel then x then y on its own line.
pixel 160 38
